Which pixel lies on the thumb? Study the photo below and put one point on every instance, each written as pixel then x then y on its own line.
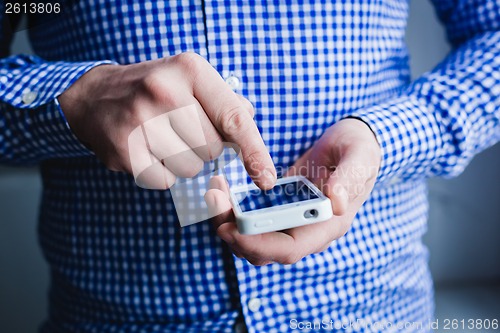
pixel 345 184
pixel 217 199
pixel 338 194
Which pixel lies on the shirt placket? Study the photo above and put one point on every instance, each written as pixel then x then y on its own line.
pixel 232 42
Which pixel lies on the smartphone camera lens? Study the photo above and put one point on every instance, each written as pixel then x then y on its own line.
pixel 311 213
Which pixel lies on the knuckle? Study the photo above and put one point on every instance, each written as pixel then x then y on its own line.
pixel 155 87
pixel 233 121
pixel 189 62
pixel 133 114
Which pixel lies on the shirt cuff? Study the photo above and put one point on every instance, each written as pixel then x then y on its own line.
pixel 30 87
pixel 35 82
pixel 53 133
pixel 409 137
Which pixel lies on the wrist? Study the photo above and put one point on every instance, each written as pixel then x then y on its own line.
pixel 362 133
pixel 80 95
pixel 348 118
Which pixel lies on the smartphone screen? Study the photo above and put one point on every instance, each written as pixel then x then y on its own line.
pixel 281 194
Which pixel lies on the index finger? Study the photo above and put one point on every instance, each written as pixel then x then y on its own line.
pixel 234 122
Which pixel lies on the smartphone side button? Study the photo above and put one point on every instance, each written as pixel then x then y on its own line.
pixel 263 223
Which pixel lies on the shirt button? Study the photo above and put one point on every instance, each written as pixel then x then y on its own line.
pixel 233 82
pixel 254 304
pixel 29 97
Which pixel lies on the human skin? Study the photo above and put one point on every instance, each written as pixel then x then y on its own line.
pixel 107 103
pixel 343 163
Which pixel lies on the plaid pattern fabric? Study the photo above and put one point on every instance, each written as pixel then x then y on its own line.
pixel 119 260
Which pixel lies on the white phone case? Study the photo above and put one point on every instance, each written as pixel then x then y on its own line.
pixel 283 216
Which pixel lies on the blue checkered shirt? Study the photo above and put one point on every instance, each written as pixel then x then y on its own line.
pixel 119 260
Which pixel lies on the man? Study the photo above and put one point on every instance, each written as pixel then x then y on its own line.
pixel 329 82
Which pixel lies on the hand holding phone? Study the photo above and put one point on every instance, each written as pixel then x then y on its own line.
pixel 292 202
pixel 344 149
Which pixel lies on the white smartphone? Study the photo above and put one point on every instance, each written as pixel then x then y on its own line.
pixel 293 202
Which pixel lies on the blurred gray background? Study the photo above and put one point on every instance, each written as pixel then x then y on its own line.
pixel 463 237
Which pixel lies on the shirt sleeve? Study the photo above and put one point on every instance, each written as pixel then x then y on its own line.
pixel 440 121
pixel 32 125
